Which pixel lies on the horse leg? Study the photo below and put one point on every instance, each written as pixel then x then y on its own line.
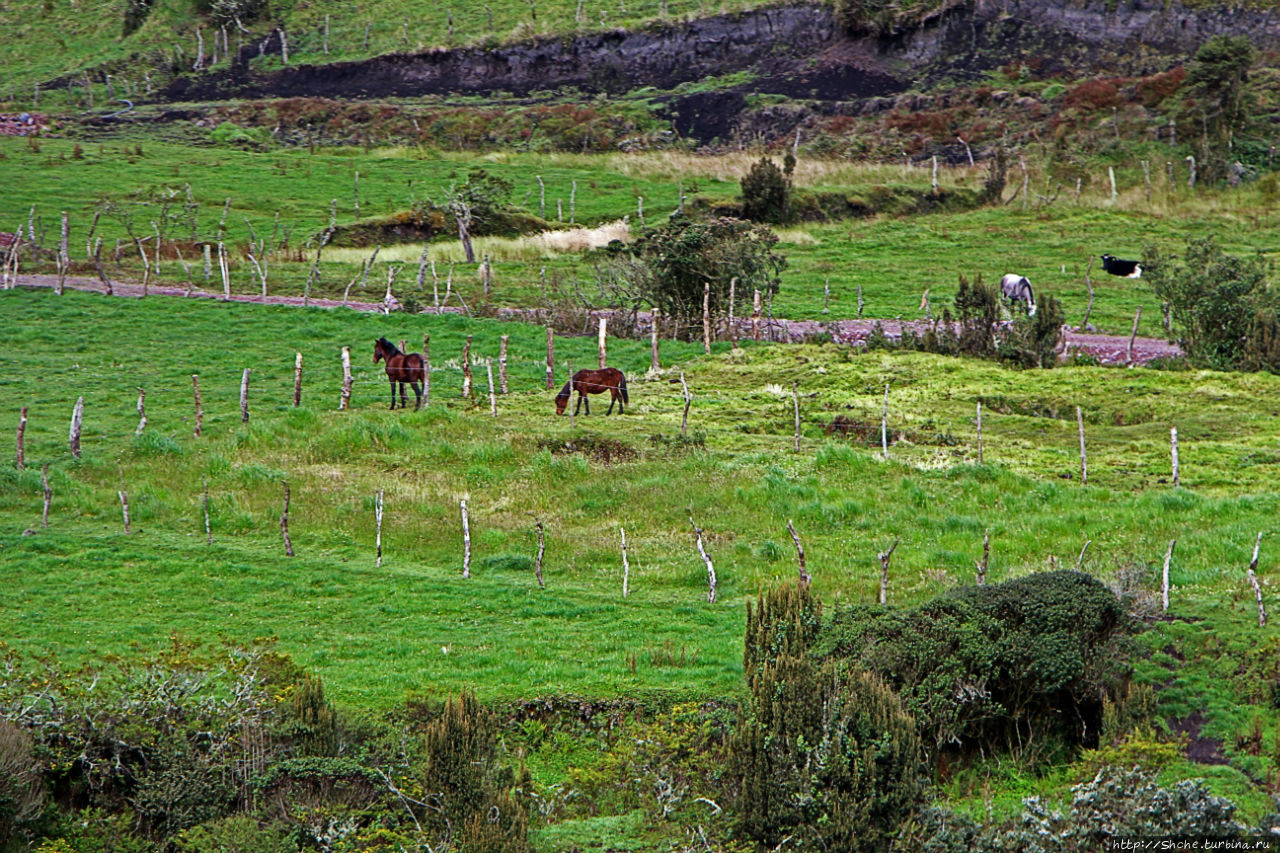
pixel 417 394
pixel 586 401
pixel 613 395
pixel 578 406
pixel 404 402
pixel 392 382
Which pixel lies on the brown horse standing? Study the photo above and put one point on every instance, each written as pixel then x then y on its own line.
pixel 401 368
pixel 586 382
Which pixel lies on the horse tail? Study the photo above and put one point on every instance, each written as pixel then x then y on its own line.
pixel 1031 299
pixel 416 366
pixel 622 387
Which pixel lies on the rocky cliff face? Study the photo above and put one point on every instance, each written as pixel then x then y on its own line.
pixel 798 50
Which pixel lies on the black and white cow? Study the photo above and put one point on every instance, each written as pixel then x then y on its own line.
pixel 1124 269
pixel 1017 289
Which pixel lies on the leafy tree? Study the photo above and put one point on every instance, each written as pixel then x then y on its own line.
pixel 1219 305
pixel 1216 83
pixel 766 191
pixel 476 206
pixel 670 266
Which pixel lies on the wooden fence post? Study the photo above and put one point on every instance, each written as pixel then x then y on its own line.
pixel 502 363
pixel 1084 459
pixel 226 276
pixel 124 508
pixel 600 343
pixel 626 565
pixel 688 398
pixel 706 317
pixel 466 541
pixel 426 369
pixel 655 317
pixel 377 513
pixel 979 432
pixel 795 537
pixel 1173 448
pixel 493 398
pixel 22 429
pixel 884 426
pixel 551 358
pixel 795 400
pixel 77 416
pixel 1164 578
pixel 986 556
pixel 142 412
pixel 195 390
pixel 345 401
pixel 466 369
pixel 284 523
pixel 733 329
pixel 1253 580
pixel 1080 559
pixel 297 379
pixel 573 410
pixel 244 397
pixel 48 496
pixel 542 547
pixel 1129 353
pixel 755 316
pixel 711 569
pixel 885 557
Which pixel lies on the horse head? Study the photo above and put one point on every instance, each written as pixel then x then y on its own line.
pixel 562 399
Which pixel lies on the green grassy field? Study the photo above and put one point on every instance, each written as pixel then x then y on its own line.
pixel 882 255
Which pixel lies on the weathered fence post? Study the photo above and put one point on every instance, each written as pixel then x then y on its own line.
pixel 284 523
pixel 551 358
pixel 377 513
pixel 426 369
pixel 626 565
pixel 345 401
pixel 502 364
pixel 1133 335
pixel 466 541
pixel 884 425
pixel 1253 580
pixel 600 343
pixel 297 379
pixel 711 569
pixel 795 400
pixel 77 416
pixel 142 412
pixel 733 329
pixel 706 317
pixel 688 398
pixel 885 557
pixel 795 537
pixel 1164 578
pixel 755 316
pixel 986 556
pixel 1084 459
pixel 19 461
pixel 573 410
pixel 195 390
pixel 48 496
pixel 124 508
pixel 466 369
pixel 244 397
pixel 542 547
pixel 655 317
pixel 979 432
pixel 1083 549
pixel 1173 449
pixel 493 398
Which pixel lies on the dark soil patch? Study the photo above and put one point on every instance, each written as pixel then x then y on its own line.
pixel 598 448
pixel 1201 750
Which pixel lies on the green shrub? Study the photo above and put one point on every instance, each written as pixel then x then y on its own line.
pixel 994 666
pixel 765 191
pixel 827 757
pixel 21 788
pixel 238 834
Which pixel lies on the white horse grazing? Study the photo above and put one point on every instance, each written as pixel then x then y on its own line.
pixel 1017 289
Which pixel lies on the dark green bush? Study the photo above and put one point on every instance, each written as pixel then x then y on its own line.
pixel 827 757
pixel 765 192
pixel 1005 666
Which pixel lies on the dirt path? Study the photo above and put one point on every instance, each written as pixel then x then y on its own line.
pixel 1107 349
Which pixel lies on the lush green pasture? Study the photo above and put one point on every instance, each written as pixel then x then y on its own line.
pixel 894 260
pixel 84 589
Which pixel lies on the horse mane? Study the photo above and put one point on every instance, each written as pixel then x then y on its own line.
pixel 565 391
pixel 390 346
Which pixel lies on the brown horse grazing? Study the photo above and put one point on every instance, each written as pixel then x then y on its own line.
pixel 586 382
pixel 401 368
